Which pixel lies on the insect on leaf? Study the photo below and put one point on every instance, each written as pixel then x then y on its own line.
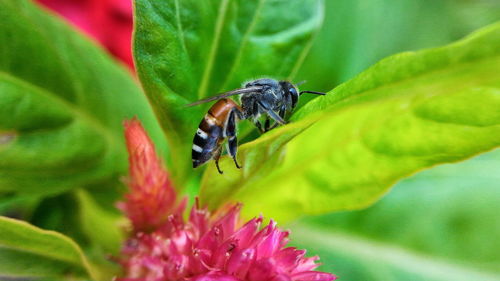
pixel 189 50
pixel 408 112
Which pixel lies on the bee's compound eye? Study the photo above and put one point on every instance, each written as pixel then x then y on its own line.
pixel 294 95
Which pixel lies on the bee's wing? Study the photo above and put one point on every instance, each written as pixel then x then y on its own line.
pixel 227 94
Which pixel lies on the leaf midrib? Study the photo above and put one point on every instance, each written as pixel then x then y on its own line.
pixel 219 25
pixel 243 43
pixel 180 28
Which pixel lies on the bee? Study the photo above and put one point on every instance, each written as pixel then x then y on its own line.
pixel 273 99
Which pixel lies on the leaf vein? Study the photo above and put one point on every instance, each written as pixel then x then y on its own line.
pixel 243 43
pixel 308 46
pixel 213 50
pixel 180 28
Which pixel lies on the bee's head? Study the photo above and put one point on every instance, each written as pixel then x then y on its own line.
pixel 290 90
pixel 293 91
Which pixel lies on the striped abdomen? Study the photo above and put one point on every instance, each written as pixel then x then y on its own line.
pixel 211 132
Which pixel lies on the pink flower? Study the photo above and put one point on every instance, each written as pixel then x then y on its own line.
pixel 205 246
pixel 107 21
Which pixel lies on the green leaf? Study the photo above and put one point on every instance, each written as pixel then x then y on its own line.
pixel 406 113
pixel 437 225
pixel 94 217
pixel 61 214
pixel 104 229
pixel 187 50
pixel 28 252
pixel 89 217
pixel 62 102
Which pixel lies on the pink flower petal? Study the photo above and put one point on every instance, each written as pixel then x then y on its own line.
pixel 262 269
pixel 214 276
pixel 313 276
pixel 240 262
pixel 246 233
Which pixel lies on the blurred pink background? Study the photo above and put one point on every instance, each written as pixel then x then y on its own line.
pixel 107 21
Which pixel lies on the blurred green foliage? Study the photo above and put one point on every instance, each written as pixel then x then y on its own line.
pixel 358 33
pixel 62 101
pixel 441 224
pixel 62 104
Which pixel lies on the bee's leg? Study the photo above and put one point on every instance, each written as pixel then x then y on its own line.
pixel 239 113
pixel 230 133
pixel 282 115
pixel 273 126
pixel 255 120
pixel 276 117
pixel 267 125
pixel 282 111
pixel 272 114
pixel 216 156
pixel 259 126
pixel 232 147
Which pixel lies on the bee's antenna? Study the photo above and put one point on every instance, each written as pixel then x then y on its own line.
pixel 312 92
pixel 300 83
